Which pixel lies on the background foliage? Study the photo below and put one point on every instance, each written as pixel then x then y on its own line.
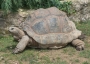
pixel 14 5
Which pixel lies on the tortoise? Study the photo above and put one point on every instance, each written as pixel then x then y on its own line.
pixel 46 28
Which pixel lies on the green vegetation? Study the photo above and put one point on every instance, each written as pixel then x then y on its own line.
pixel 84 26
pixel 65 55
pixel 14 5
pixel 85 62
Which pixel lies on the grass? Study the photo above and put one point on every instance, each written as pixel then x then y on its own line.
pixel 67 55
pixel 86 62
pixel 84 27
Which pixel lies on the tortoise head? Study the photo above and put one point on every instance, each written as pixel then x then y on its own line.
pixel 16 32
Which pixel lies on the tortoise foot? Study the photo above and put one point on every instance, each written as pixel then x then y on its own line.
pixel 80 48
pixel 16 50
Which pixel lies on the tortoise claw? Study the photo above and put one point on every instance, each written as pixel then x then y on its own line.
pixel 15 51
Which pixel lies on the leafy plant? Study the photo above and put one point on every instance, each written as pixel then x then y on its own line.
pixel 14 5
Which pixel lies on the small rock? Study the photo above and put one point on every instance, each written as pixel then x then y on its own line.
pixel 1 58
pixel 11 47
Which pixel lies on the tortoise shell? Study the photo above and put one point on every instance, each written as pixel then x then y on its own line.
pixel 45 25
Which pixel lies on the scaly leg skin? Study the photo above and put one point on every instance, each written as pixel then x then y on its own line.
pixel 21 45
pixel 78 44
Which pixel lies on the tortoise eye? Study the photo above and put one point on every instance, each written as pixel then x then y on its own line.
pixel 12 28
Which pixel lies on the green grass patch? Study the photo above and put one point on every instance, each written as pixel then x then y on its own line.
pixel 85 54
pixel 84 27
pixel 86 62
pixel 6 44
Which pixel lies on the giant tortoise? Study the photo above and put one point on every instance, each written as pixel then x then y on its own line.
pixel 46 28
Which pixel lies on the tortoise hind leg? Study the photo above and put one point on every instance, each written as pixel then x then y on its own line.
pixel 21 45
pixel 78 44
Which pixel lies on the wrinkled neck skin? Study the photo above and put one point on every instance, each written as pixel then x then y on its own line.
pixel 16 32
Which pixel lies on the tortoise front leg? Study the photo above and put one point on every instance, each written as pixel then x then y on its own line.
pixel 21 45
pixel 78 44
